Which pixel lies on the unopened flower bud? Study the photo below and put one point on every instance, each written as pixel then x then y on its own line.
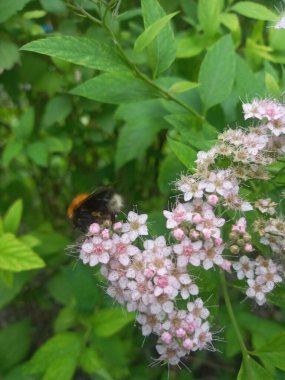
pixel 240 242
pixel 105 234
pixel 234 249
pixel 213 200
pixel 187 344
pixel 179 234
pixel 94 228
pixel 232 235
pixel 246 237
pixel 197 218
pixel 248 247
pixel 117 226
pixel 166 337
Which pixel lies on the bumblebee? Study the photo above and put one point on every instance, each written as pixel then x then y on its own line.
pixel 97 207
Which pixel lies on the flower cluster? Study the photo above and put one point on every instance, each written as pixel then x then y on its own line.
pixel 153 277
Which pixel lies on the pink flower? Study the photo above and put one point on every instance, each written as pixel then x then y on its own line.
pixel 177 216
pixel 135 226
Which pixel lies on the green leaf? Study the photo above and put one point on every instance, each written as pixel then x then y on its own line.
pixel 251 370
pixel 208 14
pixel 8 8
pixel 190 46
pixel 108 322
pixel 274 351
pixel 26 123
pixel 9 54
pixel 54 6
pixel 7 293
pixel 78 50
pixel 183 86
pixel 151 32
pixel 139 132
pixel 90 360
pixel 38 153
pixel 184 153
pixel 272 86
pixel 231 21
pixel 18 337
pixel 162 50
pixel 13 217
pixel 56 110
pixel 7 278
pixel 247 84
pixel 217 75
pixel 115 88
pixel 11 150
pixel 17 256
pixel 57 358
pixel 169 170
pixel 253 10
pixel 66 318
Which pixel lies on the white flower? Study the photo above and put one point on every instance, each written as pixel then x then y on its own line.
pixel 136 225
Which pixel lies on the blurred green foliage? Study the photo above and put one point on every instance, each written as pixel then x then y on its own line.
pixel 81 115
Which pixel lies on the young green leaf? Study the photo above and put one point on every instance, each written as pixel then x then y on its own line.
pixel 208 13
pixel 108 322
pixel 162 50
pixel 80 51
pixel 9 54
pixel 13 217
pixel 17 256
pixel 151 32
pixel 38 153
pixel 184 153
pixel 115 88
pixel 183 86
pixel 57 358
pixel 250 369
pixel 217 72
pixel 253 10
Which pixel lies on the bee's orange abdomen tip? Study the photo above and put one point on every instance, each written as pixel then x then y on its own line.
pixel 75 203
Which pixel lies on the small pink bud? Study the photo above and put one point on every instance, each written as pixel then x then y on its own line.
pixel 180 333
pixel 187 344
pixel 148 273
pixel 117 226
pixel 190 328
pixel 226 265
pixel 166 337
pixel 179 234
pixel 197 218
pixel 213 200
pixel 248 247
pixel 218 242
pixel 105 234
pixel 94 228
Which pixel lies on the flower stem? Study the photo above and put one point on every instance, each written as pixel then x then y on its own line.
pixel 232 317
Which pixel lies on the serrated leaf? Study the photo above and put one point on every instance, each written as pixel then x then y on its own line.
pixel 254 10
pixel 11 150
pixel 184 153
pixel 115 88
pixel 108 322
pixel 151 32
pixel 217 75
pixel 38 153
pixel 90 360
pixel 8 8
pixel 274 350
pixel 17 256
pixel 250 369
pixel 13 217
pixel 78 50
pixel 162 51
pixel 57 358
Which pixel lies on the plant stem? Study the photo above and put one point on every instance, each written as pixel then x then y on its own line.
pixel 232 317
pixel 163 93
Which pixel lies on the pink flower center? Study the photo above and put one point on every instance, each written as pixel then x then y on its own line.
pixel 179 216
pixel 188 251
pixel 98 249
pixel 162 282
pixel 121 248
